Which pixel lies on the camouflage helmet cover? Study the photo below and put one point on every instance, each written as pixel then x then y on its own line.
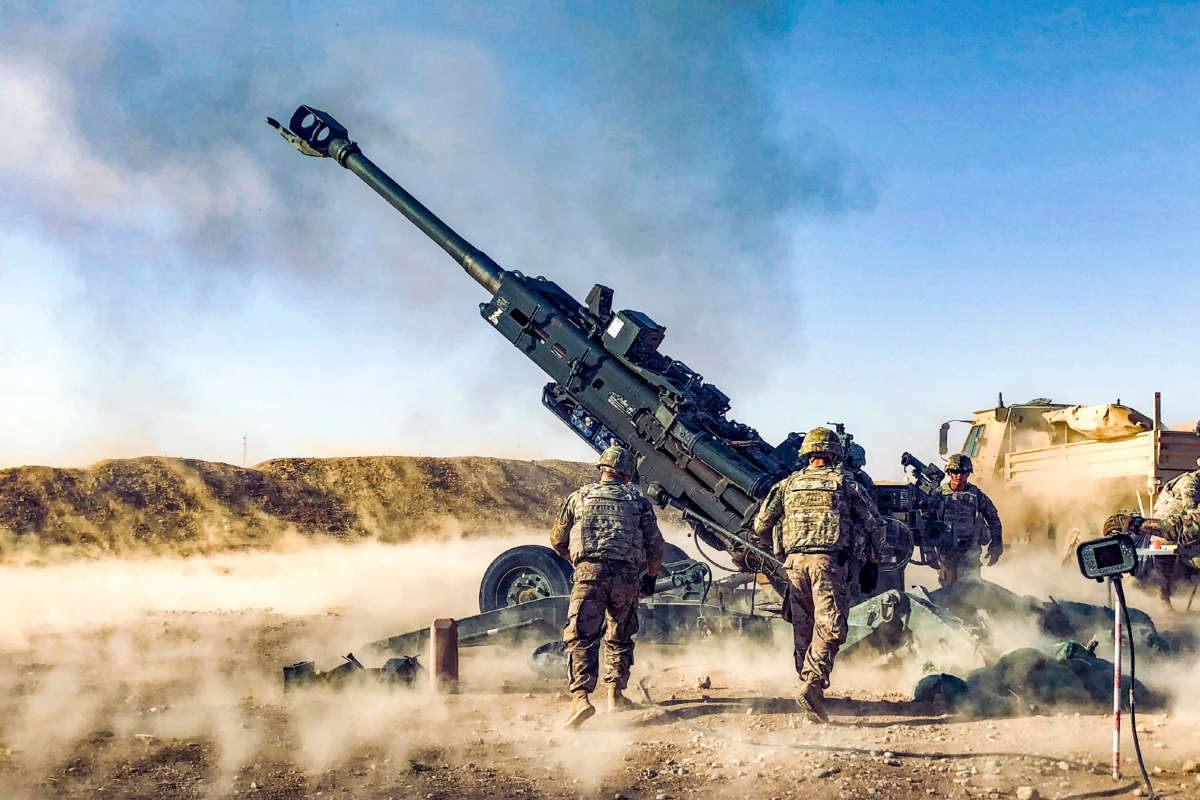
pixel 619 460
pixel 856 456
pixel 821 440
pixel 959 462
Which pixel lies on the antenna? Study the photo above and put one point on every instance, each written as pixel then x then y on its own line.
pixel 243 449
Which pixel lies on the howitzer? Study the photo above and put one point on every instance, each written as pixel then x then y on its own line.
pixel 915 504
pixel 609 382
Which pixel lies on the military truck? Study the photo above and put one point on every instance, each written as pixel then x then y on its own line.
pixel 1053 467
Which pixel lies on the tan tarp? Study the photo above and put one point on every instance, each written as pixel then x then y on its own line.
pixel 1101 422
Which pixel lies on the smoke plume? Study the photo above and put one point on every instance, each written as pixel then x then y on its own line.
pixel 218 273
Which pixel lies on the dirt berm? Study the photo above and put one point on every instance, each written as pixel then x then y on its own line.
pixel 193 506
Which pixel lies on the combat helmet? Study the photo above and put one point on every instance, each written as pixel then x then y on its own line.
pixel 856 456
pixel 821 441
pixel 959 463
pixel 619 460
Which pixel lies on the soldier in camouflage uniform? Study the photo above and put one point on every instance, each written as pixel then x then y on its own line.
pixel 1176 513
pixel 1179 503
pixel 608 531
pixel 1177 510
pixel 819 507
pixel 969 518
pixel 854 464
pixel 1176 520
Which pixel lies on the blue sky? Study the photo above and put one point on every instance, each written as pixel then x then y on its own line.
pixel 880 214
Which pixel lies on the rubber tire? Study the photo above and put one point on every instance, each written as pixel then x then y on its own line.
pixel 555 569
pixel 671 553
pixel 900 545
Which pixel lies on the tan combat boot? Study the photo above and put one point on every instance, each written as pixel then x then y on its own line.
pixel 618 701
pixel 581 709
pixel 812 702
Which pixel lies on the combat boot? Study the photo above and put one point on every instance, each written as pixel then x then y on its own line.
pixel 581 709
pixel 617 701
pixel 812 702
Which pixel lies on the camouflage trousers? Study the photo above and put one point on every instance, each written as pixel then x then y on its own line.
pixel 958 564
pixel 818 601
pixel 604 601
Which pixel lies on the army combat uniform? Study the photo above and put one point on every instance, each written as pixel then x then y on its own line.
pixel 820 507
pixel 608 531
pixel 970 519
pixel 855 460
pixel 1180 503
pixel 1176 520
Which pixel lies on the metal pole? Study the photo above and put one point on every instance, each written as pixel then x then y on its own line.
pixel 1117 635
pixel 443 655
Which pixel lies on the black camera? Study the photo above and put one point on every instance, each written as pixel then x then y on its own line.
pixel 1103 558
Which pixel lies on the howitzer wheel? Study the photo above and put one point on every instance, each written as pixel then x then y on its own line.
pixel 898 547
pixel 672 553
pixel 523 574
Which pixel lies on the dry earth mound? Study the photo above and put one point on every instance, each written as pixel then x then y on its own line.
pixel 200 506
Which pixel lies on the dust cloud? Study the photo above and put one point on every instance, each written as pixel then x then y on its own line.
pixel 1062 508
pixel 171 652
pixel 162 654
pixel 175 661
pixel 166 647
pixel 408 584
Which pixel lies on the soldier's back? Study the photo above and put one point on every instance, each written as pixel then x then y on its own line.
pixel 1180 494
pixel 816 515
pixel 608 526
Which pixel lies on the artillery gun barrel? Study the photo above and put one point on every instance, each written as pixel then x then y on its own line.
pixel 609 383
pixel 476 263
pixel 315 133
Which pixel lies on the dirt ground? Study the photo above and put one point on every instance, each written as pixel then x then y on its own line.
pixel 161 679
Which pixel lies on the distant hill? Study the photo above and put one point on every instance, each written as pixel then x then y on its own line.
pixel 186 505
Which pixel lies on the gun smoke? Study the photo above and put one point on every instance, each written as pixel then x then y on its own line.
pixel 175 224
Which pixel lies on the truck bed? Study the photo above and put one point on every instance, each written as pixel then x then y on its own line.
pixel 1146 458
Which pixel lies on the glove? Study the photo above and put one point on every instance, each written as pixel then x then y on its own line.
pixel 993 553
pixel 647 588
pixel 868 577
pixel 1122 523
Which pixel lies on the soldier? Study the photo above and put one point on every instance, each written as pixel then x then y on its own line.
pixel 1180 503
pixel 608 531
pixel 970 520
pixel 820 506
pixel 854 463
pixel 1177 520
